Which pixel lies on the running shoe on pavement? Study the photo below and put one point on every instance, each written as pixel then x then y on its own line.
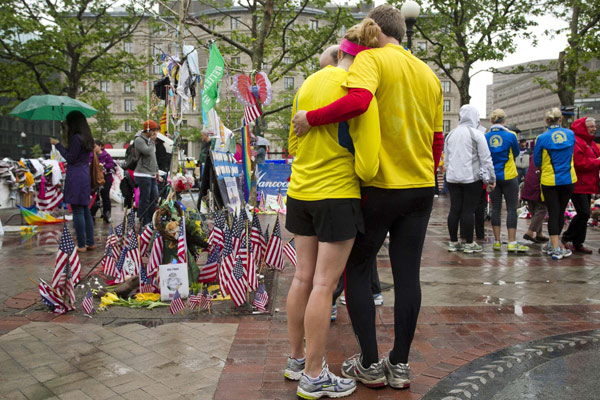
pixel 294 368
pixel 398 375
pixel 560 253
pixel 454 246
pixel 517 247
pixel 333 312
pixel 378 299
pixel 470 248
pixel 497 246
pixel 372 377
pixel 327 384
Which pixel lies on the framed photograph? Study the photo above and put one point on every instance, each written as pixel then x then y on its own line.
pixel 173 277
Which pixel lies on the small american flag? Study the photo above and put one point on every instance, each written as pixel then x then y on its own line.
pixel 227 261
pixel 261 298
pixel 88 303
pixel 290 251
pixel 181 244
pixel 108 262
pixel 145 238
pixel 250 266
pixel 205 300
pixel 119 230
pixel 176 304
pixel 259 245
pixel 112 238
pixel 237 284
pixel 66 255
pixel 194 301
pixel 156 256
pixel 145 282
pixel 237 233
pixel 252 112
pixel 131 220
pixel 209 272
pixel 274 256
pixel 133 252
pixel 51 299
pixel 216 235
pixel 120 274
pixel 53 196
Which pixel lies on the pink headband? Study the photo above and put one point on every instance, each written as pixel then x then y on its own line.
pixel 352 48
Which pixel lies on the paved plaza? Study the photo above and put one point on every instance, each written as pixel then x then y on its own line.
pixel 492 326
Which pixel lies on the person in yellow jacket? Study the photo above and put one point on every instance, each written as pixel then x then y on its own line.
pixel 324 215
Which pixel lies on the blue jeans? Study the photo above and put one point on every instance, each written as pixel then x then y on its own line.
pixel 148 197
pixel 84 226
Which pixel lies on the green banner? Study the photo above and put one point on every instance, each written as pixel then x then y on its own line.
pixel 214 73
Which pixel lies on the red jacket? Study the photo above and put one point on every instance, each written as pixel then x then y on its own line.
pixel 585 159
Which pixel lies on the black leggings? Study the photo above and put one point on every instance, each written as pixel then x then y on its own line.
pixel 404 213
pixel 463 201
pixel 556 199
pixel 577 230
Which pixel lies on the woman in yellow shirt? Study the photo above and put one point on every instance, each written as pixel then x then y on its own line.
pixel 324 213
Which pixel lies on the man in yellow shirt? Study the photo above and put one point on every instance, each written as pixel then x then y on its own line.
pixel 398 199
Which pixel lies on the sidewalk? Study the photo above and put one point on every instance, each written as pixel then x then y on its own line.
pixel 472 307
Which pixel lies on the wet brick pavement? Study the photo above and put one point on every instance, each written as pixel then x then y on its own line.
pixel 473 306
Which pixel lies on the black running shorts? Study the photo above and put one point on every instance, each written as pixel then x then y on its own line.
pixel 331 220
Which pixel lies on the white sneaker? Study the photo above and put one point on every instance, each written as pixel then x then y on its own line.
pixel 378 299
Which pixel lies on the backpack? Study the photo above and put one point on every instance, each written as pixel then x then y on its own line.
pixel 131 158
pixel 96 173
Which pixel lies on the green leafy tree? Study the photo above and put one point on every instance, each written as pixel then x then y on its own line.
pixel 461 33
pixel 62 47
pixel 274 38
pixel 105 123
pixel 583 37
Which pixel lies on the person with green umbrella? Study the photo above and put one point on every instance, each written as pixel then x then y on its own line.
pixel 78 182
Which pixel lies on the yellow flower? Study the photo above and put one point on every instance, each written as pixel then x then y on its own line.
pixel 106 301
pixel 112 296
pixel 147 296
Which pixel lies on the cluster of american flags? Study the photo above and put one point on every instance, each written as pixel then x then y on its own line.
pixel 59 295
pixel 121 250
pixel 237 253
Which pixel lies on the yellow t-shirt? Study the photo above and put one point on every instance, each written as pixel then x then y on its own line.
pixel 410 102
pixel 322 167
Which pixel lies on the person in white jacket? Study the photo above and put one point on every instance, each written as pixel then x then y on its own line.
pixel 468 166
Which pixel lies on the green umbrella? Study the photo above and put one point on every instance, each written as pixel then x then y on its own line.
pixel 49 107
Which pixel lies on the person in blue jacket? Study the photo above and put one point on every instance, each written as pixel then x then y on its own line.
pixel 553 153
pixel 504 147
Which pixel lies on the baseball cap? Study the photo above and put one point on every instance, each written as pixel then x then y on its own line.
pixel 149 125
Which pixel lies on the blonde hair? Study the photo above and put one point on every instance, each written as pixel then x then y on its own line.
pixel 366 33
pixel 553 116
pixel 498 115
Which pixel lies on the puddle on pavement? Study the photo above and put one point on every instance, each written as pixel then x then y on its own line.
pixel 148 323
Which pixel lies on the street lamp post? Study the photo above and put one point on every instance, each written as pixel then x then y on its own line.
pixel 410 10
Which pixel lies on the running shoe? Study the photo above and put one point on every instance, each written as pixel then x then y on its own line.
pixel 378 299
pixel 294 368
pixel 343 300
pixel 517 247
pixel 560 253
pixel 472 248
pixel 372 377
pixel 454 246
pixel 327 384
pixel 547 249
pixel 497 246
pixel 333 312
pixel 398 375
